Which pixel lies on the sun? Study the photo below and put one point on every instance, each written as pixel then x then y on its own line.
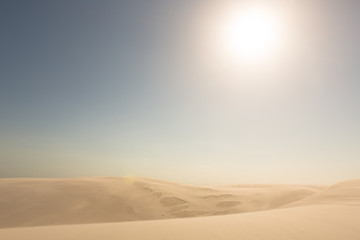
pixel 252 33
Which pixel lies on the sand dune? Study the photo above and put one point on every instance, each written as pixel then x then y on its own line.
pixel 301 223
pixel 268 211
pixel 344 193
pixel 36 202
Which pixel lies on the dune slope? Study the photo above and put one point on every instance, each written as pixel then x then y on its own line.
pixel 330 214
pixel 328 222
pixel 38 202
pixel 344 193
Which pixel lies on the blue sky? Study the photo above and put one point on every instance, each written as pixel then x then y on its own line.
pixel 124 88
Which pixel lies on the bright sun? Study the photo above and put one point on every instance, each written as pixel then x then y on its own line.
pixel 252 33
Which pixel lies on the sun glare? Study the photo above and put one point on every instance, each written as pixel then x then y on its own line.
pixel 252 33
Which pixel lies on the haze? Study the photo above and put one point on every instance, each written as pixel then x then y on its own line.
pixel 155 88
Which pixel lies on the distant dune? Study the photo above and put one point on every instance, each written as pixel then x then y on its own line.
pixel 343 193
pixel 116 208
pixel 35 202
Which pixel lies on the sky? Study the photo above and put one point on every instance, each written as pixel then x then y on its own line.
pixel 150 88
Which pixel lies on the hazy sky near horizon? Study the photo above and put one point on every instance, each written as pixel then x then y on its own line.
pixel 144 88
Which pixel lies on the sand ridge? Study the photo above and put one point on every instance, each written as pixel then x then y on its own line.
pixel 279 212
pixel 38 202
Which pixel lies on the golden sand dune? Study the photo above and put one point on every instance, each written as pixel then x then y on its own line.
pixel 266 211
pixel 36 202
pixel 344 193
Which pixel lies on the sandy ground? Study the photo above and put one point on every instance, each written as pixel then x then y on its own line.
pixel 253 211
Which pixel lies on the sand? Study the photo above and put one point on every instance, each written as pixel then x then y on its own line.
pixel 141 208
